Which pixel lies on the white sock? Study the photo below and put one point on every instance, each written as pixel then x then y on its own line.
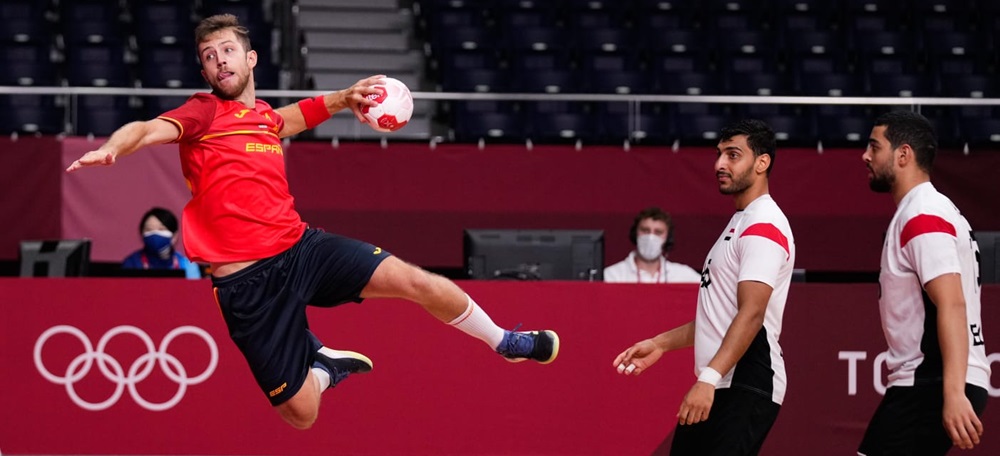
pixel 476 323
pixel 322 377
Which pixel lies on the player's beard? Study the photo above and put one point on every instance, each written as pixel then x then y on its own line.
pixel 882 179
pixel 234 90
pixel 737 184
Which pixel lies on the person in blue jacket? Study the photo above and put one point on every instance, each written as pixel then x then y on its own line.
pixel 159 229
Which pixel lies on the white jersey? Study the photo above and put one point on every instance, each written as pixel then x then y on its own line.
pixel 626 271
pixel 927 238
pixel 757 245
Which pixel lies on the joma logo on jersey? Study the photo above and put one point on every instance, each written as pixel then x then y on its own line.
pixel 242 113
pixel 260 147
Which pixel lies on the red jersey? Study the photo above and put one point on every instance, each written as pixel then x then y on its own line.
pixel 234 164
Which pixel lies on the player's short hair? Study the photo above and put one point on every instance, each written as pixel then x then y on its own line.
pixel 212 24
pixel 760 137
pixel 908 127
pixel 654 213
pixel 168 219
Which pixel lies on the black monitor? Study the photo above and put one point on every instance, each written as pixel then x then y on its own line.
pixel 989 253
pixel 535 254
pixel 55 258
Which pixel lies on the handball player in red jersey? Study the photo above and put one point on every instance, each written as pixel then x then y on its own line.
pixel 267 264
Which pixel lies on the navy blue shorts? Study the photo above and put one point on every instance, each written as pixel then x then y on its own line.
pixel 737 425
pixel 264 305
pixel 908 420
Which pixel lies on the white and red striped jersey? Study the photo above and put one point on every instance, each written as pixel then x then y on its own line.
pixel 927 238
pixel 756 245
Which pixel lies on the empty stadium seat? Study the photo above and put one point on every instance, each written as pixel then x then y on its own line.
pixel 30 114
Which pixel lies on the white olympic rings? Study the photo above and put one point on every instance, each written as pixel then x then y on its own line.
pixel 137 372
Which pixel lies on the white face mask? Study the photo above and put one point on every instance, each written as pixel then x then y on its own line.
pixel 650 246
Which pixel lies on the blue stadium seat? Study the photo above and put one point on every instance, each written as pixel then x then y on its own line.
pixel 539 61
pixel 24 22
pixel 154 106
pixel 549 127
pixel 598 40
pixel 900 85
pixel 981 131
pixel 97 65
pixel 478 80
pixel 823 85
pixel 621 82
pixel 874 43
pixel 462 60
pixel 91 22
pixel 760 84
pixel 546 81
pixel 823 9
pixel 678 63
pixel 101 116
pixel 30 114
pixel 790 129
pixel 654 23
pixel 689 42
pixel 489 125
pixel 817 42
pixel 174 67
pixel 618 124
pixel 747 42
pixel 608 61
pixel 690 84
pixel 27 65
pixel 970 85
pixel 462 38
pixel 701 129
pixel 844 130
pixel 160 22
pixel 450 18
pixel 955 8
pixel 534 39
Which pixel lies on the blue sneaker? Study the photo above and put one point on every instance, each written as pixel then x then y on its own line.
pixel 341 363
pixel 541 346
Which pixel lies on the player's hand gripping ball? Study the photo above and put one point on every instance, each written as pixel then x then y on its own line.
pixel 395 106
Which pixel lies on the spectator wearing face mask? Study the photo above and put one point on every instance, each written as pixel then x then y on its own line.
pixel 158 228
pixel 652 233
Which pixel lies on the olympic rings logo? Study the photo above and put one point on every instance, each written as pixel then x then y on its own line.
pixel 140 369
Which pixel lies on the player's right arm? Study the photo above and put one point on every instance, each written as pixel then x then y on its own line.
pixel 958 416
pixel 126 140
pixel 645 353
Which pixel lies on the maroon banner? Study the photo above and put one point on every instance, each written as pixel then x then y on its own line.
pixel 144 366
pixel 415 201
pixel 29 192
pixel 106 203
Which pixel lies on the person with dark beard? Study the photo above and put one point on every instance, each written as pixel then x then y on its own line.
pixel 267 264
pixel 929 301
pixel 744 286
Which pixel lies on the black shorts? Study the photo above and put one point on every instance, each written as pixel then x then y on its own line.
pixel 265 304
pixel 737 425
pixel 908 421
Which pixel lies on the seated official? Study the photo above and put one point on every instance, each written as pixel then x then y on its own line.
pixel 158 229
pixel 652 234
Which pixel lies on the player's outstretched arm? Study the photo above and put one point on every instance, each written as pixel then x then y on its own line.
pixel 126 140
pixel 958 417
pixel 310 112
pixel 639 357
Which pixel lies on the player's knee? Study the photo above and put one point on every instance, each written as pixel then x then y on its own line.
pixel 301 423
pixel 298 418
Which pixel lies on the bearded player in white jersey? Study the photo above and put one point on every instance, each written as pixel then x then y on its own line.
pixel 744 286
pixel 929 301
